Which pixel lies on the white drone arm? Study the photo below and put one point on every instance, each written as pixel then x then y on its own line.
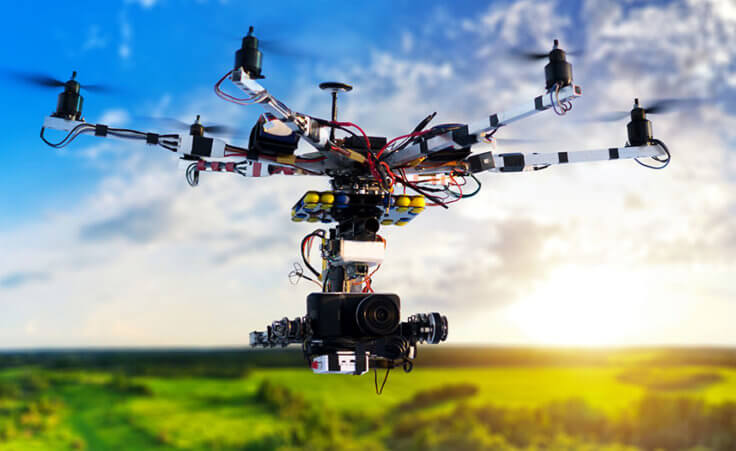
pixel 552 99
pixel 306 126
pixel 516 162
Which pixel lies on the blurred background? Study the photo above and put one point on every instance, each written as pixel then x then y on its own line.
pixel 590 306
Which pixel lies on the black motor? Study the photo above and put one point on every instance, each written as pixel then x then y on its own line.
pixel 69 103
pixel 558 70
pixel 640 128
pixel 249 57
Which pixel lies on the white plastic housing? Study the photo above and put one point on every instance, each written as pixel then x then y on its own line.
pixel 368 252
pixel 345 364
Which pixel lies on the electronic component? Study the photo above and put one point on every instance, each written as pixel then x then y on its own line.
pixel 353 251
pixel 394 209
pixel 341 362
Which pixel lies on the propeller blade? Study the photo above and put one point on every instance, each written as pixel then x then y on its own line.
pixel 34 78
pixel 220 129
pixel 656 107
pixel 171 123
pixel 673 104
pixel 527 56
pixel 102 89
pixel 280 47
pixel 166 122
pixel 610 117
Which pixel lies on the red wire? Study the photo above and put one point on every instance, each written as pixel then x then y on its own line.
pixel 459 187
pixel 350 124
pixel 390 173
pixel 410 135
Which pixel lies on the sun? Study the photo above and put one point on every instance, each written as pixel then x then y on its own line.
pixel 584 307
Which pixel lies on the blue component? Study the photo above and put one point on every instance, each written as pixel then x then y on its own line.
pixel 341 200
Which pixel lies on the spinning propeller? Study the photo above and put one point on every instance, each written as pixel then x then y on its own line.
pixel 657 107
pixel 557 72
pixel 196 128
pixel 46 81
pixel 534 56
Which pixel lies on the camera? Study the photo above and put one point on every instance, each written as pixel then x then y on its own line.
pixel 347 333
pixel 353 315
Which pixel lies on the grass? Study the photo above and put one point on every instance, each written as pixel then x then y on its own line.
pixel 96 409
pixel 514 387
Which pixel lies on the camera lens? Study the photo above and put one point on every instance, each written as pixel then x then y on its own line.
pixel 429 327
pixel 439 328
pixel 377 315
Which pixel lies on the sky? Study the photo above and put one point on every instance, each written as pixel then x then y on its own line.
pixel 104 244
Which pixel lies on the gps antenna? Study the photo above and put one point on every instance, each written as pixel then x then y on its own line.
pixel 334 87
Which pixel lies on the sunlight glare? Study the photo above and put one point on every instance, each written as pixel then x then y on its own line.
pixel 588 307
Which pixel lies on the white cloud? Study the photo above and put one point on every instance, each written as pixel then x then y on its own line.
pixel 94 39
pixel 126 35
pixel 146 4
pixel 115 118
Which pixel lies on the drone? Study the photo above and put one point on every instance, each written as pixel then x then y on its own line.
pixel 375 181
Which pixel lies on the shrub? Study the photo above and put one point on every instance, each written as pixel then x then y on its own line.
pixel 122 384
pixel 9 390
pixel 426 398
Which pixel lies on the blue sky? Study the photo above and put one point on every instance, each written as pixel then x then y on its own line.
pixel 103 243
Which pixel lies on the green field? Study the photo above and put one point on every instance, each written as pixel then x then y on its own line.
pixel 630 399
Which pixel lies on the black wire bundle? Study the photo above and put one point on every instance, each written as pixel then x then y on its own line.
pixel 320 233
pixel 168 142
pixel 71 136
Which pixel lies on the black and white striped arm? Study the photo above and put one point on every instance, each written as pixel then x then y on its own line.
pixel 517 162
pixel 471 137
pixel 537 105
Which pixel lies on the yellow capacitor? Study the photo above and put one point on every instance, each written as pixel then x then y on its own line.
pixel 326 200
pixel 313 219
pixel 297 218
pixel 417 205
pixel 312 197
pixel 401 222
pixel 387 222
pixel 418 201
pixel 402 203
